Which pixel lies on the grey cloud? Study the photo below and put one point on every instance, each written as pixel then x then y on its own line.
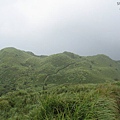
pixel 86 27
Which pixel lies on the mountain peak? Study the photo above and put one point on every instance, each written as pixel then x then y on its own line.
pixel 8 48
pixel 71 55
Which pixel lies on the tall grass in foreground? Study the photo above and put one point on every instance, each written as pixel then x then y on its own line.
pixel 65 102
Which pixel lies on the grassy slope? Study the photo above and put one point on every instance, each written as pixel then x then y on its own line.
pixel 23 75
pixel 63 102
pixel 22 70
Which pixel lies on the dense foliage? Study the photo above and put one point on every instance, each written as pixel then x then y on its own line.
pixel 63 86
pixel 21 70
pixel 63 102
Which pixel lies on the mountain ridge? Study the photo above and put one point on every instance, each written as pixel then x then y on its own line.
pixel 23 70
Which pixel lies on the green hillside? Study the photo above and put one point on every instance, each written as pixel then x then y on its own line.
pixel 24 70
pixel 62 86
pixel 63 102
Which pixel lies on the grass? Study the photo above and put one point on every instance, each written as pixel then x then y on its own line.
pixel 21 70
pixel 63 86
pixel 64 102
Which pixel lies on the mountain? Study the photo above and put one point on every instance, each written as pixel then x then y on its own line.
pixel 58 87
pixel 25 70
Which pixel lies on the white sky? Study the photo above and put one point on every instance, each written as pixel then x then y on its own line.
pixel 85 27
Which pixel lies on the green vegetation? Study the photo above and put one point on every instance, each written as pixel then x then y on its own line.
pixel 64 102
pixel 62 86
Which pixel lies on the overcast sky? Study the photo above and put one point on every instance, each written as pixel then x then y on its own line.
pixel 85 27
